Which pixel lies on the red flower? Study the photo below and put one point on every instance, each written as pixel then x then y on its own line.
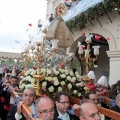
pixel 30 24
pixel 62 65
pixel 83 34
pixel 83 47
pixel 34 68
pixel 97 37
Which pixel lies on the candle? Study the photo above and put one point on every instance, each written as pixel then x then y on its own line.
pixel 96 49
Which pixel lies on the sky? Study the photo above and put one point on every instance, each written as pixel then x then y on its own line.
pixel 15 15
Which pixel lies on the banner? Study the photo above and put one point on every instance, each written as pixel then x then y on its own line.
pixel 82 6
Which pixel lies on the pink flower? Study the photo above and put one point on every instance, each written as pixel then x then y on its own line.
pixel 108 38
pixel 30 24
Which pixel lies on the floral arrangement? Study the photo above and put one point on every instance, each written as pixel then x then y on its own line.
pixel 27 80
pixel 56 80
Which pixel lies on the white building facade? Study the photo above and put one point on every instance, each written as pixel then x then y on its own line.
pixel 108 26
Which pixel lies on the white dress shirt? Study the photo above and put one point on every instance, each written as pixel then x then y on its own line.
pixel 64 117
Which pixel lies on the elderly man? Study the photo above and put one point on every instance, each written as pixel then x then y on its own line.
pixel 28 97
pixel 62 105
pixel 45 109
pixel 117 106
pixel 89 111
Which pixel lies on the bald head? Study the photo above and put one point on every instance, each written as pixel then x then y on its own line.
pixel 45 108
pixel 89 111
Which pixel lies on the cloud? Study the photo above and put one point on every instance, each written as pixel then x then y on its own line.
pixel 15 15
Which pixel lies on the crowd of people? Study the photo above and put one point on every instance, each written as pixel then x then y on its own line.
pixel 45 108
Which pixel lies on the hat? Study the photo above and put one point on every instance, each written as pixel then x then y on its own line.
pixel 118 83
pixel 103 81
pixel 91 75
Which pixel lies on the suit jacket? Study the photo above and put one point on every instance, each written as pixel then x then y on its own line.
pixel 11 113
pixel 72 117
pixel 113 94
pixel 116 109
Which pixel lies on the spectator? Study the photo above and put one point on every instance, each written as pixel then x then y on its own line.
pixel 92 97
pixel 116 108
pixel 51 18
pixel 116 91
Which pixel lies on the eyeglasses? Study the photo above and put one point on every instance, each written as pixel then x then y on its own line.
pixel 45 112
pixel 65 102
pixel 94 99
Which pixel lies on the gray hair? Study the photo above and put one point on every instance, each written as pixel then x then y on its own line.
pixel 81 113
pixel 30 88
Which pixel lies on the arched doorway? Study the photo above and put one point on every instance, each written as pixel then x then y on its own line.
pixel 103 61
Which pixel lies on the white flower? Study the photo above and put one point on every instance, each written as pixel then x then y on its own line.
pixel 55 78
pixel 76 73
pixel 78 77
pixel 79 94
pixel 28 85
pixel 56 83
pixel 28 78
pixel 33 72
pixel 27 73
pixel 73 78
pixel 21 77
pixel 46 78
pixel 56 72
pixel 43 70
pixel 51 89
pixel 68 78
pixel 63 76
pixel 69 86
pixel 66 72
pixel 62 70
pixel 85 88
pixel 79 84
pixel 37 71
pixel 75 92
pixel 32 80
pixel 71 73
pixel 62 83
pixel 44 84
pixel 49 72
pixel 22 86
pixel 116 9
pixel 49 78
pixel 32 85
pixel 59 89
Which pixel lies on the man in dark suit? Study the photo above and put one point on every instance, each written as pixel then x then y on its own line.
pixel 62 105
pixel 116 108
pixel 28 97
pixel 116 91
